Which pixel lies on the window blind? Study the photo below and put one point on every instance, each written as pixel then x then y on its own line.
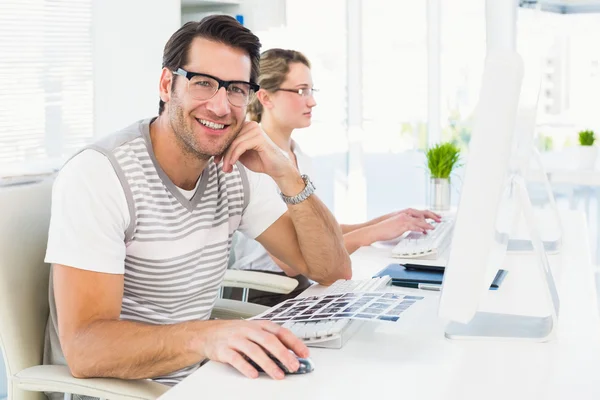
pixel 46 100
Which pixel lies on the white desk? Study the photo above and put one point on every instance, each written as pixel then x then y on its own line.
pixel 562 169
pixel 411 359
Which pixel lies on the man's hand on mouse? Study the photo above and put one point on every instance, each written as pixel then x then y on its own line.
pixel 226 341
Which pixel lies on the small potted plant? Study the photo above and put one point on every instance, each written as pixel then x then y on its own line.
pixel 441 161
pixel 587 150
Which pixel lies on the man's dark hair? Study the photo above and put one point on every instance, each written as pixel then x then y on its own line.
pixel 217 28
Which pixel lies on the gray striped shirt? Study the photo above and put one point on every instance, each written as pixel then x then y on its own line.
pixel 176 248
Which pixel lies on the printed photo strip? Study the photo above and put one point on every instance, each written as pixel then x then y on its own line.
pixel 365 306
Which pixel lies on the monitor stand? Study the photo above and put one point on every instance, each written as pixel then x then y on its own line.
pixel 496 326
pixel 551 245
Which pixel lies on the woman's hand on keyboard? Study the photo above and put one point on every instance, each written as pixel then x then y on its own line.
pixel 423 214
pixel 226 341
pixel 397 225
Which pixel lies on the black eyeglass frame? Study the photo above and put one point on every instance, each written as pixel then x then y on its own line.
pixel 189 75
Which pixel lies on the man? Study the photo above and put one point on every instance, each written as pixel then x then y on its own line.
pixel 142 222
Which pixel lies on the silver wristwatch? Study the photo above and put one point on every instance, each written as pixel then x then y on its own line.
pixel 303 195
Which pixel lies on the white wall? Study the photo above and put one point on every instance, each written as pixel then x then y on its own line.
pixel 259 15
pixel 128 41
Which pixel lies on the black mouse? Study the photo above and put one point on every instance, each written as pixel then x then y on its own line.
pixel 306 365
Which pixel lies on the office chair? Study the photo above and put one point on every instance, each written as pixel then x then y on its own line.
pixel 258 281
pixel 243 253
pixel 24 221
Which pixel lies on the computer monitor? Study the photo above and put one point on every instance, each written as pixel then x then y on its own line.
pixel 491 197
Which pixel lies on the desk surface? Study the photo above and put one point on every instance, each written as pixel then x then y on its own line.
pixel 561 168
pixel 411 358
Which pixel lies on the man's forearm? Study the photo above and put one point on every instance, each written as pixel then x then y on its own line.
pixel 320 241
pixel 319 235
pixel 289 271
pixel 134 350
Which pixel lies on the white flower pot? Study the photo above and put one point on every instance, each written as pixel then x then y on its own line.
pixel 587 157
pixel 439 194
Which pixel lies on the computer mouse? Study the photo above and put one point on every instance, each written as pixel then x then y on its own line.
pixel 306 365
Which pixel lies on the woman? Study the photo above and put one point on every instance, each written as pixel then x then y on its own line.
pixel 282 105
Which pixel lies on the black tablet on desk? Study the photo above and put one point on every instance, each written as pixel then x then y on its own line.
pixel 424 278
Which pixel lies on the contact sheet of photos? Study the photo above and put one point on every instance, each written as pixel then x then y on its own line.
pixel 365 306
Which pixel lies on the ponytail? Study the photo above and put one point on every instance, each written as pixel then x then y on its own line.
pixel 255 110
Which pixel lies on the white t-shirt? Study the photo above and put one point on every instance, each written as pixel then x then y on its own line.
pixel 87 228
pixel 247 253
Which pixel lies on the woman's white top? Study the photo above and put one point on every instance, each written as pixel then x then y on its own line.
pixel 247 253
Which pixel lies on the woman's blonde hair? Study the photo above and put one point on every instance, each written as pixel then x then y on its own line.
pixel 274 67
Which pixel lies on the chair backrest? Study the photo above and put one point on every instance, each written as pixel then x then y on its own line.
pixel 24 220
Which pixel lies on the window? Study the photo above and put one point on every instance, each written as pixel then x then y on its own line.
pixel 321 36
pixel 462 60
pixel 394 62
pixel 540 41
pixel 46 101
pixel 567 51
pixel 394 100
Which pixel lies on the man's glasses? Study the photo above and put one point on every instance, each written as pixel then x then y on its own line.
pixel 306 92
pixel 204 87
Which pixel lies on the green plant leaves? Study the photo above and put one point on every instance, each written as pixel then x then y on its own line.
pixel 587 138
pixel 441 159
